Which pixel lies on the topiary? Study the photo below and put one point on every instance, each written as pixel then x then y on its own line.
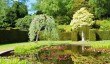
pixel 82 17
pixel 44 23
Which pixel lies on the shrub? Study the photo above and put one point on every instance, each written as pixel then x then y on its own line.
pixel 4 24
pixel 82 17
pixel 92 35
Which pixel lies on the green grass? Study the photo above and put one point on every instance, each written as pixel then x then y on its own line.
pixel 4 47
pixel 95 44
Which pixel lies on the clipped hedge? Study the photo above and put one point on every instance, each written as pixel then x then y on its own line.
pixel 74 35
pixel 13 35
pixel 103 35
pixel 92 35
pixel 65 35
pixel 85 30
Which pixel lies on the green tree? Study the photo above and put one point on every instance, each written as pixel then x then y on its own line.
pixel 82 17
pixel 59 9
pixel 100 8
pixel 10 17
pixel 46 23
pixel 24 23
pixel 9 14
pixel 20 9
pixel 3 8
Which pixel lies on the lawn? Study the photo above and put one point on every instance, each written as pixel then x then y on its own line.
pixel 95 44
pixel 4 47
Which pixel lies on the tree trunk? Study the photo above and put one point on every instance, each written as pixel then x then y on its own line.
pixel 38 35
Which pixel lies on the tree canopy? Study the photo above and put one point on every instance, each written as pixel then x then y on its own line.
pixel 46 23
pixel 82 17
pixel 10 14
pixel 100 8
pixel 24 23
pixel 3 10
pixel 59 9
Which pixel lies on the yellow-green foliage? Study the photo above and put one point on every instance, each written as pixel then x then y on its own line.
pixel 65 35
pixel 13 61
pixel 82 17
pixel 19 50
pixel 74 35
pixel 66 28
pixel 103 34
pixel 92 35
pixel 105 25
pixel 101 44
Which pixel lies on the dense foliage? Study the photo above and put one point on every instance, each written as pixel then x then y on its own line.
pixel 82 17
pixel 20 9
pixel 45 23
pixel 62 10
pixel 10 14
pixel 100 8
pixel 105 25
pixel 24 23
pixel 3 13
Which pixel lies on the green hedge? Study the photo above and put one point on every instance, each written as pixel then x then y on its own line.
pixel 62 36
pixel 65 35
pixel 74 35
pixel 85 30
pixel 92 35
pixel 103 35
pixel 13 35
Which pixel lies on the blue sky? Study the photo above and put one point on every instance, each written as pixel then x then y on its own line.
pixel 29 5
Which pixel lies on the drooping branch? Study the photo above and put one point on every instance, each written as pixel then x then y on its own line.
pixel 48 23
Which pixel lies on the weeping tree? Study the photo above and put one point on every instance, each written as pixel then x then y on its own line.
pixel 44 23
